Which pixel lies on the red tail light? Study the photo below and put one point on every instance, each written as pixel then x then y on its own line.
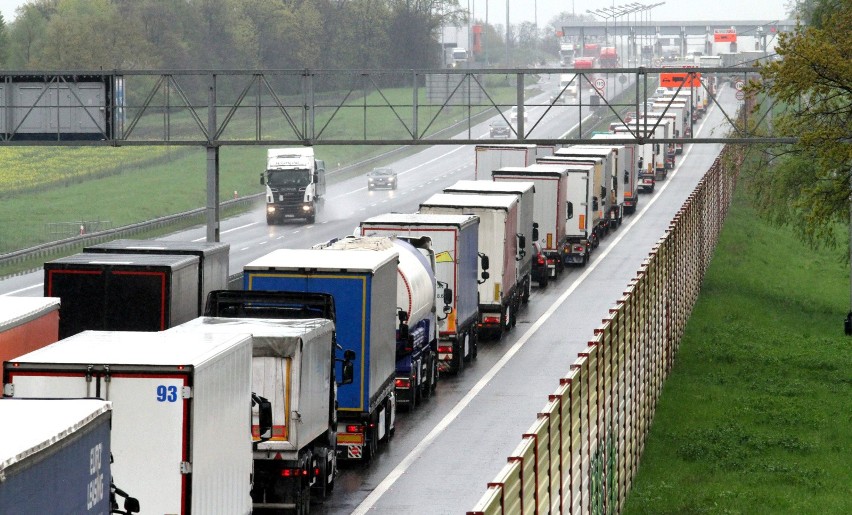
pixel 293 472
pixel 354 428
pixel 540 259
pixel 445 349
pixel 491 320
pixel 317 471
pixel 402 383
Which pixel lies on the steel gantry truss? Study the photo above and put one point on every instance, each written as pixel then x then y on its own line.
pixel 219 108
pixel 331 107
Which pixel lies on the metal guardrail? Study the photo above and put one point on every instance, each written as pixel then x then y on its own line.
pixel 67 245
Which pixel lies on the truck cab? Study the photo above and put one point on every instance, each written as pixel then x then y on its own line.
pixel 295 181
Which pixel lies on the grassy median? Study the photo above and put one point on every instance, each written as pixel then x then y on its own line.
pixel 755 417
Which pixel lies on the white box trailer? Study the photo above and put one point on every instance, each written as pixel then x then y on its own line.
pixel 598 207
pixel 551 190
pixel 293 368
pixel 627 169
pixel 455 241
pixel 667 122
pixel 650 159
pixel 499 294
pixel 181 422
pixel 527 227
pixel 679 109
pixel 613 196
pixel 493 157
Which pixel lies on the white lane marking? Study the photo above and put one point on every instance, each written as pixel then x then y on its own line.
pixel 244 248
pixel 226 232
pixel 263 243
pixel 39 285
pixel 418 450
pixel 407 171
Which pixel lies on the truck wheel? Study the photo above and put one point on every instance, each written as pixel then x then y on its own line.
pixel 458 354
pixel 474 346
pixel 427 387
pixel 527 290
pixel 435 374
pixel 312 219
pixel 507 318
pixel 371 445
pixel 543 282
pixel 303 504
pixel 413 396
pixel 270 220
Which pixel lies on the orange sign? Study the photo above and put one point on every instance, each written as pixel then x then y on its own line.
pixel 675 80
pixel 725 37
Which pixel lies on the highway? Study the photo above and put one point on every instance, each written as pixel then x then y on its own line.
pixel 445 452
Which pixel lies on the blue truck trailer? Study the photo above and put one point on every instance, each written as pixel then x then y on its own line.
pixel 55 456
pixel 363 285
pixel 416 340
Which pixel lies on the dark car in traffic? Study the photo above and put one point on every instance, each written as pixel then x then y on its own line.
pixel 540 272
pixel 500 129
pixel 382 178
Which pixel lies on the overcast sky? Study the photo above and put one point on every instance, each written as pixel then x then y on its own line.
pixel 722 10
pixel 525 10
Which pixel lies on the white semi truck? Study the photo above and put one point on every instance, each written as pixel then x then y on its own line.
pixel 293 368
pixel 500 292
pixel 295 182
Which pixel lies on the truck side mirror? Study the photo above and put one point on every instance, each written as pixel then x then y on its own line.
pixel 131 505
pixel 522 242
pixel 448 296
pixel 594 203
pixel 535 231
pixel 484 263
pixel 264 416
pixel 262 180
pixel 570 213
pixel 484 259
pixel 403 327
pixel 348 373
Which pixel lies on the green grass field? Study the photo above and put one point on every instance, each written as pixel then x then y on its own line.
pixel 46 189
pixel 755 417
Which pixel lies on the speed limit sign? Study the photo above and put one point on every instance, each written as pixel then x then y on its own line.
pixel 600 83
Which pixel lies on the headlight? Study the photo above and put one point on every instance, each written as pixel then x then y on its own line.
pixel 270 209
pixel 306 208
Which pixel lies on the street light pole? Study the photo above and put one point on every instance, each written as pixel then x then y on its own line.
pixel 508 64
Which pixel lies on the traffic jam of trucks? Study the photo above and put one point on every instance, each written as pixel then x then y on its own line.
pixel 138 344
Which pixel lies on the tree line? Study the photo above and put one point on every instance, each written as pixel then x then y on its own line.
pixel 225 34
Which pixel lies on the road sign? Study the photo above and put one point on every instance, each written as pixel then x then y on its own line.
pixel 600 83
pixel 740 95
pixel 675 80
pixel 739 85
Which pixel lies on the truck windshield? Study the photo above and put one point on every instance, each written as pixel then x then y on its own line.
pixel 298 178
